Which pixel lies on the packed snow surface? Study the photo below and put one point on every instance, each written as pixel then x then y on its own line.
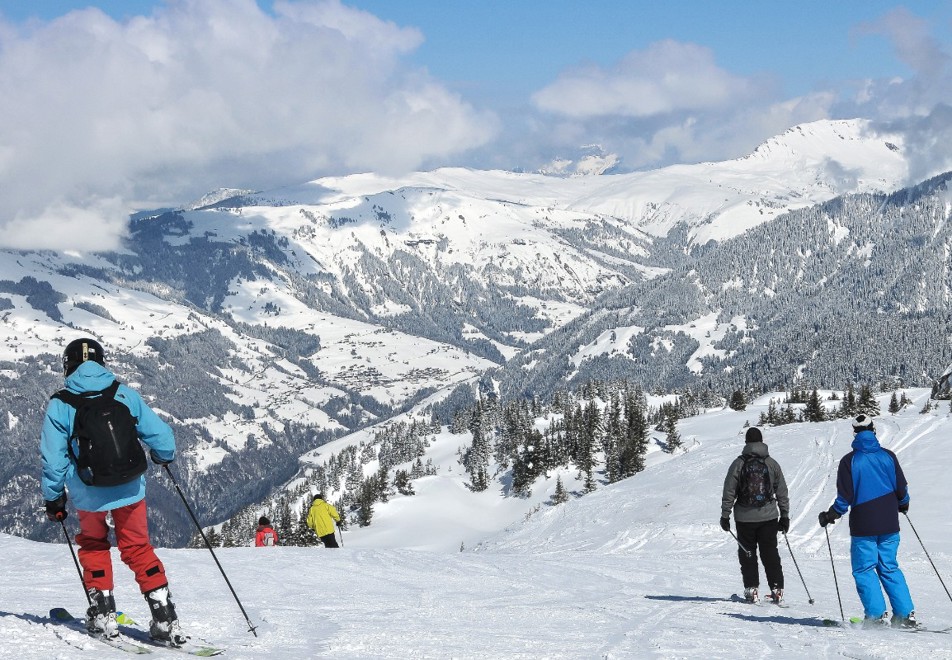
pixel 638 569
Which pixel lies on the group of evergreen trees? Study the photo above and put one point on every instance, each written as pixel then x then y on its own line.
pixel 602 430
pixel 344 474
pixel 602 424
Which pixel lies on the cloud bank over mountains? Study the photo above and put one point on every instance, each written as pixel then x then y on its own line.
pixel 99 117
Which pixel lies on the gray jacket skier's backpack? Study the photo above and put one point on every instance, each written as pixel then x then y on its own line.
pixel 105 432
pixel 753 482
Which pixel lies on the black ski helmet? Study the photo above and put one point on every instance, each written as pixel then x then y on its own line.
pixel 80 350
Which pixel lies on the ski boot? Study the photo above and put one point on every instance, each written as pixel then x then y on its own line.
pixel 776 596
pixel 751 595
pixel 164 626
pixel 876 621
pixel 101 615
pixel 908 621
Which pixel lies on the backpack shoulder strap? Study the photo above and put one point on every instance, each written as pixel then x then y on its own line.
pixel 69 398
pixel 76 400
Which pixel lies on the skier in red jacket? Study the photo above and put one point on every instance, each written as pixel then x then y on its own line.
pixel 266 535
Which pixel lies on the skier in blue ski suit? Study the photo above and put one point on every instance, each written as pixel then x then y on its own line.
pixel 871 484
pixel 86 374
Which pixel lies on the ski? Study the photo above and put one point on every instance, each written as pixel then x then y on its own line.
pixel 60 616
pixel 857 622
pixel 194 646
pixel 135 639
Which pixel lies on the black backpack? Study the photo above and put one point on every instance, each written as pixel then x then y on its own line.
pixel 753 483
pixel 105 431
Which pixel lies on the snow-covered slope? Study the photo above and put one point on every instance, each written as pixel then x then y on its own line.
pixel 299 312
pixel 636 569
pixel 806 165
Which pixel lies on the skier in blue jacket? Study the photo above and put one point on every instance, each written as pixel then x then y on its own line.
pixel 86 374
pixel 870 483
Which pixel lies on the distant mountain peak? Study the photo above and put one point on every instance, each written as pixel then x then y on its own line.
pixel 590 160
pixel 216 196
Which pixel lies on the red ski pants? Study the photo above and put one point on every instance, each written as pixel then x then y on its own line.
pixel 132 538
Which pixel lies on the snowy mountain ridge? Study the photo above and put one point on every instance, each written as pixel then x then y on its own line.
pixel 267 323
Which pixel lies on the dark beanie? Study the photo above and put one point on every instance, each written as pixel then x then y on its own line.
pixel 264 522
pixel 753 435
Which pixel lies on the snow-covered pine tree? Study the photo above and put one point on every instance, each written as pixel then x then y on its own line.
pixel 894 404
pixel 635 445
pixel 560 495
pixel 867 404
pixel 813 410
pixel 737 400
pixel 672 437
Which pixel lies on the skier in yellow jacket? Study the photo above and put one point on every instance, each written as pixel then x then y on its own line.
pixel 321 518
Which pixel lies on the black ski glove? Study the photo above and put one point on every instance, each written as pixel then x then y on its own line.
pixel 828 517
pixel 784 524
pixel 726 524
pixel 158 461
pixel 56 509
pixel 904 508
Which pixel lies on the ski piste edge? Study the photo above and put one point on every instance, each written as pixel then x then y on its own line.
pixel 60 616
pixel 856 622
pixel 134 635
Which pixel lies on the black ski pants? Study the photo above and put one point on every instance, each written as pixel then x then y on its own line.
pixel 760 536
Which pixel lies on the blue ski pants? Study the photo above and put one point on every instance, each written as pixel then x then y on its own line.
pixel 875 568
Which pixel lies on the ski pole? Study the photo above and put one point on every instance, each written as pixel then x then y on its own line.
pixel 76 561
pixel 835 583
pixel 792 556
pixel 251 627
pixel 341 536
pixel 927 555
pixel 739 544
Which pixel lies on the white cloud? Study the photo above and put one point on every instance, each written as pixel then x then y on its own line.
pixel 209 93
pixel 665 78
pixel 96 226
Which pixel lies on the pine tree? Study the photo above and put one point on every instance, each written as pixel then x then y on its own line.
pixel 867 404
pixel 894 404
pixel 590 443
pixel 813 411
pixel 672 437
pixel 631 455
pixel 365 501
pixel 401 481
pixel 614 439
pixel 283 519
pixel 738 401
pixel 560 495
pixel 213 537
pixel 848 407
pixel 476 458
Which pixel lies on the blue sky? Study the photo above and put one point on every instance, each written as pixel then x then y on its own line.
pixel 150 102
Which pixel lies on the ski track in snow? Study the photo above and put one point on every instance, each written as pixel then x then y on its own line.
pixel 638 569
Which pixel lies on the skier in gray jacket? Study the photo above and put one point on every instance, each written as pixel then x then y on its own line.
pixel 757 492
